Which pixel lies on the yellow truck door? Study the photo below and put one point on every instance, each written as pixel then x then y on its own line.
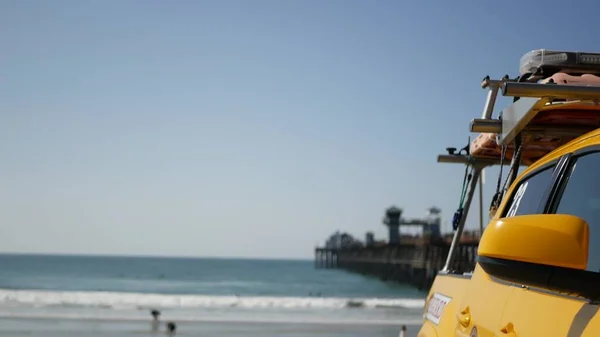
pixel 538 313
pixel 487 298
pixel 480 310
pixel 569 304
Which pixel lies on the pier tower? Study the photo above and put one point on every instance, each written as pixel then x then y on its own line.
pixel 369 239
pixel 392 220
pixel 434 221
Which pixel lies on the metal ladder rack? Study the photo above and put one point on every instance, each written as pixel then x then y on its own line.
pixel 533 98
pixel 514 121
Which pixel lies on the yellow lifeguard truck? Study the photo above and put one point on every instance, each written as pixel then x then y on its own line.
pixel 538 263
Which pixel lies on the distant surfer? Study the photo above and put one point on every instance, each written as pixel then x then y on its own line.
pixel 403 331
pixel 355 304
pixel 171 327
pixel 155 313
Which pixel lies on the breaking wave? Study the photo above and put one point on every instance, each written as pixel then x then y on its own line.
pixel 118 300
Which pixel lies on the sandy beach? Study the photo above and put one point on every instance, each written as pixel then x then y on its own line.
pixel 17 327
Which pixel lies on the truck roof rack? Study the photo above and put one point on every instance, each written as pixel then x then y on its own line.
pixel 567 105
pixel 534 98
pixel 544 115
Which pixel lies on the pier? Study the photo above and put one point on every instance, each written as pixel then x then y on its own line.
pixel 410 259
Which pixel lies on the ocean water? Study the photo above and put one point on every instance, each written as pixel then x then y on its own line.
pixel 42 295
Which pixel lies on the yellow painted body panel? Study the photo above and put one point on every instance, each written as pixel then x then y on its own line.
pixel 534 313
pixel 483 297
pixel 484 300
pixel 592 328
pixel 453 287
pixel 498 308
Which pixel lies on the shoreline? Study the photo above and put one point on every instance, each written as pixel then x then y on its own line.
pixel 373 322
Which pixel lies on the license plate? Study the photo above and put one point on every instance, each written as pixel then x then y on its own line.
pixel 435 307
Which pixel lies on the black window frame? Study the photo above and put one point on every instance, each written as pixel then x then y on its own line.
pixel 573 159
pixel 549 196
pixel 570 165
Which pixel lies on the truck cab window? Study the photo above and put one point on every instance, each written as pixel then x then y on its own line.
pixel 528 195
pixel 581 197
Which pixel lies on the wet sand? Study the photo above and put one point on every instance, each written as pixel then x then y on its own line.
pixel 17 327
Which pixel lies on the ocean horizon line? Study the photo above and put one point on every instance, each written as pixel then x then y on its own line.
pixel 151 256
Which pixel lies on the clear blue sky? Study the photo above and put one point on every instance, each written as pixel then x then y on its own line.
pixel 245 128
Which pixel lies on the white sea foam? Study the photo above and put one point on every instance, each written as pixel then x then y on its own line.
pixel 118 300
pixel 213 319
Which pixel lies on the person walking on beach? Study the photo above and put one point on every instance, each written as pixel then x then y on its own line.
pixel 171 329
pixel 403 331
pixel 155 313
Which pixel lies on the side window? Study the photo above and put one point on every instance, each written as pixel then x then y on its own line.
pixel 528 195
pixel 581 197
